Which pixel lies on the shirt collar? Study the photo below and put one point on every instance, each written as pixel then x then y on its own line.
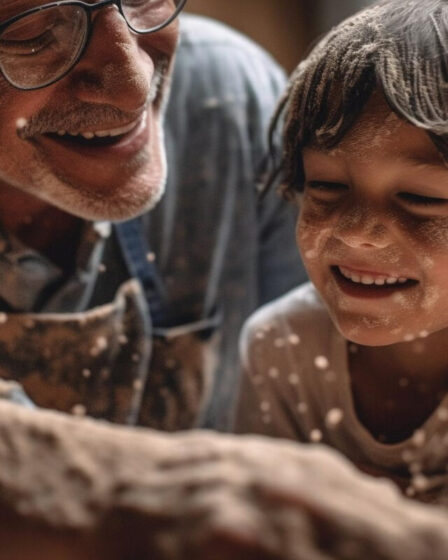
pixel 28 276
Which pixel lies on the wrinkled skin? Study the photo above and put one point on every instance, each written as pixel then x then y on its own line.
pixel 120 75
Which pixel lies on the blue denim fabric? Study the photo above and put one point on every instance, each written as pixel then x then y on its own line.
pixel 135 251
pixel 219 251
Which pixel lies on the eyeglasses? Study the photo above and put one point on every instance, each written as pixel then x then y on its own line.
pixel 41 45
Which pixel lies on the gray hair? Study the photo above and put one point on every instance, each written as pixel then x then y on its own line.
pixel 397 46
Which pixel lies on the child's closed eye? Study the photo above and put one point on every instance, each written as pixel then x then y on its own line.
pixel 326 186
pixel 325 189
pixel 422 200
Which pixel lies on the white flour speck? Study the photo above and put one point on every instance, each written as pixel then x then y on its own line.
pixel 79 410
pixel 442 414
pixel 137 384
pixel 265 406
pixel 316 436
pixel 294 379
pixel 302 408
pixel 419 438
pixel 334 417
pixel 420 483
pixel 279 342
pixel 321 362
pixel 293 339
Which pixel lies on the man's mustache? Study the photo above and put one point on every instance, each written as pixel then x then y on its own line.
pixel 80 116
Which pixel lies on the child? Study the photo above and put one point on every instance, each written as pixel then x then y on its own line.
pixel 358 359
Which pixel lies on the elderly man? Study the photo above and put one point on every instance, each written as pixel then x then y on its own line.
pixel 83 91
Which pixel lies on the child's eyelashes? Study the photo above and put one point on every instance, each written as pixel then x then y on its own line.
pixel 325 192
pixel 330 195
pixel 326 186
pixel 332 189
pixel 421 200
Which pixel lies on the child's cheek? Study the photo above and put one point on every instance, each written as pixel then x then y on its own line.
pixel 314 212
pixel 433 234
pixel 312 234
pixel 306 230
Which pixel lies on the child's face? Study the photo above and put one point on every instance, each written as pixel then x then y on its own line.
pixel 373 230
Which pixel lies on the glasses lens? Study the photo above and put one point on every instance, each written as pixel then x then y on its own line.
pixel 39 48
pixel 149 15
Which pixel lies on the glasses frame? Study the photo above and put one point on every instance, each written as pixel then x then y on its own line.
pixel 88 9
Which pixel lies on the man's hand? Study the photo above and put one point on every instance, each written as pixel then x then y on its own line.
pixel 74 488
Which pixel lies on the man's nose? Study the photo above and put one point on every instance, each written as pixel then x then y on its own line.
pixel 113 70
pixel 363 227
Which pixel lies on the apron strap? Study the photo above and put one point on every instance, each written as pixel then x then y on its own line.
pixel 136 250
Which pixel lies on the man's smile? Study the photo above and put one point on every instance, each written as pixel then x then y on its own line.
pixel 115 131
pixel 122 141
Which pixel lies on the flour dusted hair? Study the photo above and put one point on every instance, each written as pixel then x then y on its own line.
pixel 397 46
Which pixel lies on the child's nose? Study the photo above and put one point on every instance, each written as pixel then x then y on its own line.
pixel 361 227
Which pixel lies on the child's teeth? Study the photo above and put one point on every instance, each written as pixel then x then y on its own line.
pixel 392 280
pixel 368 280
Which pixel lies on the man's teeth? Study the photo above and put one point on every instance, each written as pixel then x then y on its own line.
pixel 368 280
pixel 102 133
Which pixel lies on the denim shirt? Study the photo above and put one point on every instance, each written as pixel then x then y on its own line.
pixel 219 251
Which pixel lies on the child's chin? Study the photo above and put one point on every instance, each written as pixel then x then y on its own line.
pixel 371 334
pixel 372 341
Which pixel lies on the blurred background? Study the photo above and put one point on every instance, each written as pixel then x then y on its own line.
pixel 284 27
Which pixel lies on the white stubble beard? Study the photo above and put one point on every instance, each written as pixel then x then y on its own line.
pixel 58 190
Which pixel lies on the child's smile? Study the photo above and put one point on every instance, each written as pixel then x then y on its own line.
pixel 373 230
pixel 369 283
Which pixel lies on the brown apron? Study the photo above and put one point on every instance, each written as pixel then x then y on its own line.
pixel 105 363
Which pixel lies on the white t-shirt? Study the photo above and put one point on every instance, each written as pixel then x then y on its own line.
pixel 296 385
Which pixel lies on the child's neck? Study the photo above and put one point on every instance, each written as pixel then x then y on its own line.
pixel 397 387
